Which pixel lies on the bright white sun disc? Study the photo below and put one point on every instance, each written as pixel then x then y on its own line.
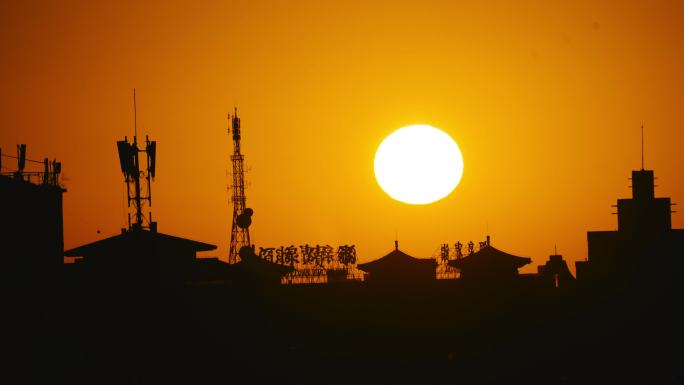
pixel 418 164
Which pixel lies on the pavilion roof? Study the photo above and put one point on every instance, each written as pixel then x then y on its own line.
pixel 396 259
pixel 490 256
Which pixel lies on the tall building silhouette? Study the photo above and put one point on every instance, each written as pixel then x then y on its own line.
pixel 644 251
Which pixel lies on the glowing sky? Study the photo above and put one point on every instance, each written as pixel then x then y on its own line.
pixel 544 99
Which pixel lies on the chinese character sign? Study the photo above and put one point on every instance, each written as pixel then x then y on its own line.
pixel 266 253
pixel 307 254
pixel 290 255
pixel 459 250
pixel 316 256
pixel 444 252
pixel 346 254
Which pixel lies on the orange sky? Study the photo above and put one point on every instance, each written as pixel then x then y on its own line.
pixel 545 101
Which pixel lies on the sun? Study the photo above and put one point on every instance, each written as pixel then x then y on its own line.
pixel 418 164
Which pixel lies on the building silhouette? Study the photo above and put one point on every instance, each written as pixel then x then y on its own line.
pixel 398 267
pixel 31 246
pixel 489 266
pixel 141 255
pixel 555 273
pixel 644 251
pixel 32 239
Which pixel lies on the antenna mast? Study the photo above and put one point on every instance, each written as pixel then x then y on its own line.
pixel 135 117
pixel 130 166
pixel 642 146
pixel 239 232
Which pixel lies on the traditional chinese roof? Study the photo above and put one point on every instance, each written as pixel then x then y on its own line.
pixel 396 260
pixel 132 239
pixel 490 257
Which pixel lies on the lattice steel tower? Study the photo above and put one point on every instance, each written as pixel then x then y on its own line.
pixel 239 232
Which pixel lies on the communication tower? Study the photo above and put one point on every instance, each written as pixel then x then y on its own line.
pixel 242 216
pixel 49 176
pixel 130 167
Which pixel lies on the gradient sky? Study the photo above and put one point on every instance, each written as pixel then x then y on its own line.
pixel 544 99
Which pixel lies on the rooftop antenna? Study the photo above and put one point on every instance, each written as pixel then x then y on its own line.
pixel 487 226
pixel 129 160
pixel 642 146
pixel 555 251
pixel 135 117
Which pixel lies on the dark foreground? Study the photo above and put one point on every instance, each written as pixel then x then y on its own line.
pixel 341 333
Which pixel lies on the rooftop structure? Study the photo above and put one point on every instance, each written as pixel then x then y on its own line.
pixel 140 251
pixel 555 273
pixel 489 264
pixel 32 240
pixel 644 250
pixel 399 267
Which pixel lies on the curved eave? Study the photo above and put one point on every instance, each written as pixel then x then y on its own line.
pixel 396 257
pixel 490 254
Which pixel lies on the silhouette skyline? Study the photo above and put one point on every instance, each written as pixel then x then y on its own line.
pixel 534 95
pixel 396 323
pixel 270 255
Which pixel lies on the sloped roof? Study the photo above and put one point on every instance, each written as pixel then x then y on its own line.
pixel 396 259
pixel 129 239
pixel 490 256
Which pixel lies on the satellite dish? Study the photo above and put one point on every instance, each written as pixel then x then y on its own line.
pixel 245 219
